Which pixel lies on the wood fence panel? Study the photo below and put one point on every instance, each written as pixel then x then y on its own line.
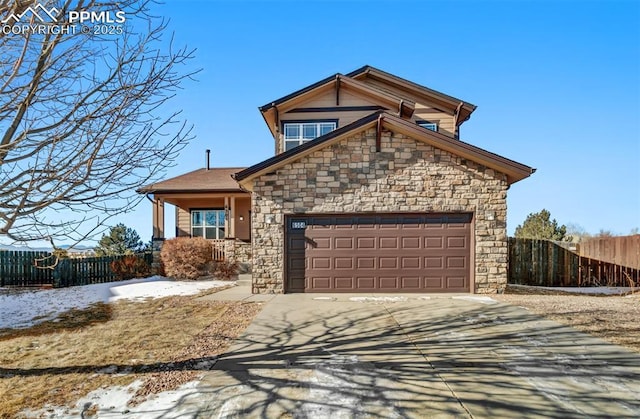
pixel 18 269
pixel 622 250
pixel 545 263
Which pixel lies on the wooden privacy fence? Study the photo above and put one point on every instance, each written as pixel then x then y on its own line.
pixel 18 268
pixel 622 250
pixel 545 263
pixel 32 269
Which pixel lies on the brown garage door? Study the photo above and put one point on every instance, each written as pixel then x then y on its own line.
pixel 379 253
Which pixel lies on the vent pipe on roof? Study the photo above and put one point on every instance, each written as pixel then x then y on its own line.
pixel 208 159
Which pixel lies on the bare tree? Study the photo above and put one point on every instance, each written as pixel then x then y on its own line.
pixel 82 121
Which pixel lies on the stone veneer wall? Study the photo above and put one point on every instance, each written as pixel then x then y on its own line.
pixel 238 251
pixel 405 176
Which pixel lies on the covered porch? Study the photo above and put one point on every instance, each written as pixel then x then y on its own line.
pixel 208 203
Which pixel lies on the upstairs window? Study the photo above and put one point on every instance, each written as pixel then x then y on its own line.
pixel 296 133
pixel 428 125
pixel 208 223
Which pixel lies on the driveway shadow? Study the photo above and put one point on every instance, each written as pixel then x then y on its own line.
pixel 420 358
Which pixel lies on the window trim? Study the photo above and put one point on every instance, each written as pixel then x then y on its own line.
pixel 300 122
pixel 424 121
pixel 219 228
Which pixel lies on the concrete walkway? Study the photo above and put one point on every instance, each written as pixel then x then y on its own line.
pixel 241 292
pixel 322 356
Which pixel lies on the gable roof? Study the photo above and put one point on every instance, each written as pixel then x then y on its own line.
pixel 438 98
pixel 515 171
pixel 270 111
pixel 356 81
pixel 201 180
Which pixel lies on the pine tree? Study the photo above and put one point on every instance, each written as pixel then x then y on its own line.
pixel 119 241
pixel 540 226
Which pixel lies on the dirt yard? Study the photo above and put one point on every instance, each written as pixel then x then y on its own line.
pixel 165 342
pixel 612 318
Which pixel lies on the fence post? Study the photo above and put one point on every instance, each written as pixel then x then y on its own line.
pixel 59 272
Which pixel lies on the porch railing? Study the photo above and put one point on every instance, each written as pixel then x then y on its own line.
pixel 218 249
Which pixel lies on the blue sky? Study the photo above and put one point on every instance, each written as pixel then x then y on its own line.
pixel 557 85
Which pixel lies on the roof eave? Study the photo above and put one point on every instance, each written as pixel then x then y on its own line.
pixel 513 170
pixel 452 101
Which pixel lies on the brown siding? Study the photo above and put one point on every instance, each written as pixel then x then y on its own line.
pixel 446 124
pixel 183 222
pixel 327 100
pixel 243 228
pixel 423 111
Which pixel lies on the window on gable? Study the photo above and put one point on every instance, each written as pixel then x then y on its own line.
pixel 208 223
pixel 296 133
pixel 428 125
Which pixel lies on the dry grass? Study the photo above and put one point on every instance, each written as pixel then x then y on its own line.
pixel 612 318
pixel 165 342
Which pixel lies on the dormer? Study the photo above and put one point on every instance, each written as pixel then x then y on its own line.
pixel 340 99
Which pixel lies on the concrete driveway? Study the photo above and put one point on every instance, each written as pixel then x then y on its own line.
pixel 320 356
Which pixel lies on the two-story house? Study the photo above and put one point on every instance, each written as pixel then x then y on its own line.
pixel 370 190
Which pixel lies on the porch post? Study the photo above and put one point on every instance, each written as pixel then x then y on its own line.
pixel 232 218
pixel 226 218
pixel 158 235
pixel 158 218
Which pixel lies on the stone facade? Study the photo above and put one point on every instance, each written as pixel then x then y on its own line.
pixel 238 251
pixel 405 176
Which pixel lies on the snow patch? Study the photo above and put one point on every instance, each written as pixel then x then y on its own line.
pixel 25 308
pixel 476 298
pixel 378 299
pixel 112 402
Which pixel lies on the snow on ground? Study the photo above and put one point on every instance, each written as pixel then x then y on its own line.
pixel 112 403
pixel 378 299
pixel 476 298
pixel 583 290
pixel 25 308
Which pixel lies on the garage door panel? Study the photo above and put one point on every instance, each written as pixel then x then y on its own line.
pixel 388 282
pixel 433 262
pixel 433 243
pixel 320 263
pixel 410 242
pixel 365 263
pixel 456 242
pixel 455 282
pixel 320 283
pixel 365 282
pixel 388 242
pixel 343 243
pixel 344 283
pixel 366 242
pixel 379 253
pixel 410 282
pixel 410 262
pixel 343 263
pixel 456 262
pixel 388 263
